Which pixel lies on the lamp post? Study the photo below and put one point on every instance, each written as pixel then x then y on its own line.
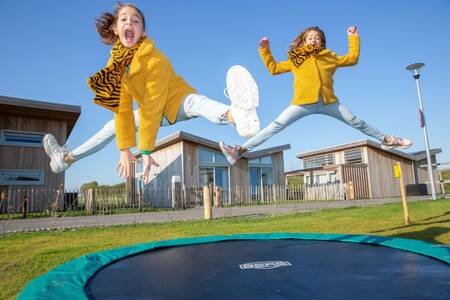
pixel 415 70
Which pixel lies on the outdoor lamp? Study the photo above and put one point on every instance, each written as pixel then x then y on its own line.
pixel 415 70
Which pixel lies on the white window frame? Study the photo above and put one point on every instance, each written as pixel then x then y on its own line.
pixel 21 172
pixel 3 140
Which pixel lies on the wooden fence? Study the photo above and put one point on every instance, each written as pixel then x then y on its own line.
pixel 357 174
pixel 17 202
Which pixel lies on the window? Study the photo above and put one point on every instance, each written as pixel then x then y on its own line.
pixel 21 138
pixel 206 175
pixel 213 169
pixel 319 161
pixel 265 160
pixel 267 176
pixel 254 176
pixel 220 158
pixel 260 172
pixel 21 177
pixel 353 156
pixel 321 178
pixel 207 156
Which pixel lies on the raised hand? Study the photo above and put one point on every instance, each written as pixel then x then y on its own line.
pixel 264 43
pixel 352 30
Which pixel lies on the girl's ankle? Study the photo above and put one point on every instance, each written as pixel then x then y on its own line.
pixel 229 117
pixel 241 151
pixel 69 158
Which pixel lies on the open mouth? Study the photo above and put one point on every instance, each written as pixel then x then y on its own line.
pixel 129 35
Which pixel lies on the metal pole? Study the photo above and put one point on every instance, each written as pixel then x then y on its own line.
pixel 425 133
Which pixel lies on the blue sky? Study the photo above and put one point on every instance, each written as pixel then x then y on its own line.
pixel 50 47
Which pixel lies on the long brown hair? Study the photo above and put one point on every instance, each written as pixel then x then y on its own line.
pixel 300 39
pixel 106 21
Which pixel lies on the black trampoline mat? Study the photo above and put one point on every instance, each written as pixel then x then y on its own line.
pixel 306 270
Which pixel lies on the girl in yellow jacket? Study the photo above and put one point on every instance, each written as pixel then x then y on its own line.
pixel 313 67
pixel 138 70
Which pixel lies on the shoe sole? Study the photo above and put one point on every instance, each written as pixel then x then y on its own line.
pixel 241 85
pixel 244 95
pixel 384 147
pixel 51 155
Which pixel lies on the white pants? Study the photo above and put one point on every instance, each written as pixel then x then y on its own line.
pixel 193 106
pixel 295 112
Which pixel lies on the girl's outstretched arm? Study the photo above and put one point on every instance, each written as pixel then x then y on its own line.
pixel 272 66
pixel 352 56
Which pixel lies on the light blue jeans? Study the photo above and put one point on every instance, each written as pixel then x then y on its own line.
pixel 193 106
pixel 295 112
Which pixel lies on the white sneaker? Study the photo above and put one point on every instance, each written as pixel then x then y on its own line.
pixel 243 93
pixel 231 153
pixel 395 142
pixel 56 153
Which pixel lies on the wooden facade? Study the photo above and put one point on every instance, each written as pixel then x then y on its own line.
pixel 371 174
pixel 380 170
pixel 33 117
pixel 179 155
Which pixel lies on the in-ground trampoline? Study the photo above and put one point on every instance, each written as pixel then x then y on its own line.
pixel 255 266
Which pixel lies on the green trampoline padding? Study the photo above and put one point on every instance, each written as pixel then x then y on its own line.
pixel 68 280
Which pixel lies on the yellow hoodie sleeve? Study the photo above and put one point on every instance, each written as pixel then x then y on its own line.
pixel 152 108
pixel 124 122
pixel 352 56
pixel 272 66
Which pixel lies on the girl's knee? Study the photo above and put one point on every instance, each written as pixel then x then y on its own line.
pixel 278 126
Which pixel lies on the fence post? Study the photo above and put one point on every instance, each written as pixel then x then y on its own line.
pixel 399 174
pixel 183 197
pixel 441 184
pixel 351 191
pixel 25 206
pixel 90 201
pixel 176 191
pixel 3 202
pixel 140 197
pixel 207 202
pixel 218 196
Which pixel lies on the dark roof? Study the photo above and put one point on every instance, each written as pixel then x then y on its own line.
pixel 41 110
pixel 355 144
pixel 184 136
pixel 419 155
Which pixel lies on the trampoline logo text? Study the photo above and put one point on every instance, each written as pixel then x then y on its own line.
pixel 265 265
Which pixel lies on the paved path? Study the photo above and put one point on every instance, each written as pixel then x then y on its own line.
pixel 38 224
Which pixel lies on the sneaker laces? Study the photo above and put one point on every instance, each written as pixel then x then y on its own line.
pixel 65 148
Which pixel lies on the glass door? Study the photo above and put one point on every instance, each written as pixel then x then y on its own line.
pixel 221 179
pixel 254 178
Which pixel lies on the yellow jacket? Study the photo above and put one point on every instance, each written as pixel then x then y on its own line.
pixel 158 91
pixel 314 76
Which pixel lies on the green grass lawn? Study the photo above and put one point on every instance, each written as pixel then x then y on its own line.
pixel 27 255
